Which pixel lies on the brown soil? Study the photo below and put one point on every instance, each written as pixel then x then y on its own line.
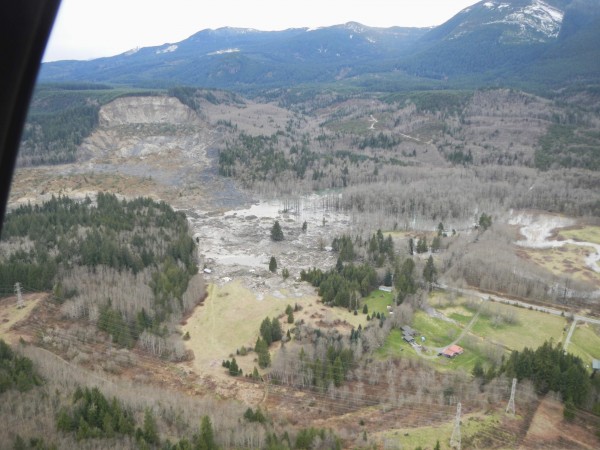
pixel 549 430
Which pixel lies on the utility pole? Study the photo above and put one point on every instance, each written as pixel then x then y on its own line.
pixel 20 302
pixel 455 439
pixel 510 409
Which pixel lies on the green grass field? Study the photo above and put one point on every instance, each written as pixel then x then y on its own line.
pixel 378 301
pixel 585 343
pixel 395 346
pixel 499 329
pixel 532 328
pixel 437 332
pixel 585 234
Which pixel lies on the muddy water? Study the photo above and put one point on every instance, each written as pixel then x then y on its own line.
pixel 237 243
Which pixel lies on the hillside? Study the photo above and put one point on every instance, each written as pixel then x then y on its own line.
pixel 364 238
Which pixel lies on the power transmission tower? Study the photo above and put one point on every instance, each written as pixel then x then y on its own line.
pixel 455 439
pixel 20 302
pixel 511 403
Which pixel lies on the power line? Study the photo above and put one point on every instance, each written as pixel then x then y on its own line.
pixel 20 302
pixel 510 409
pixel 455 439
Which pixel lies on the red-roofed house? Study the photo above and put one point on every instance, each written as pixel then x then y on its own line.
pixel 452 350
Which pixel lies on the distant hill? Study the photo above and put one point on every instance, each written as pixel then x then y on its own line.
pixel 551 42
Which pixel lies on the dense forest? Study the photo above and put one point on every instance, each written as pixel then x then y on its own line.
pixel 74 248
pixel 552 369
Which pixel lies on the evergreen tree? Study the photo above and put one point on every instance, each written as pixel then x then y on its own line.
pixel 262 350
pixel 266 332
pixel 387 279
pixel 304 226
pixel 440 229
pixel 436 244
pixel 276 232
pixel 422 245
pixel 150 431
pixel 478 370
pixel 485 221
pixel 273 264
pixel 276 331
pixel 285 273
pixel 338 372
pixel 411 246
pixel 290 318
pixel 234 370
pixel 429 271
pixel 206 439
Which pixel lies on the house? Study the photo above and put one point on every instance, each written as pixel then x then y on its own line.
pixel 407 330
pixel 452 350
pixel 408 338
pixel 408 334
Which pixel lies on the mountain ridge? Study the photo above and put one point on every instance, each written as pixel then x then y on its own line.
pixel 489 42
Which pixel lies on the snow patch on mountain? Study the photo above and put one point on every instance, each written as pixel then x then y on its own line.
pixel 538 17
pixel 169 49
pixel 224 51
pixel 355 27
pixel 132 51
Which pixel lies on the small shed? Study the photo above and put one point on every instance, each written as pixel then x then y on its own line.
pixel 596 365
pixel 385 288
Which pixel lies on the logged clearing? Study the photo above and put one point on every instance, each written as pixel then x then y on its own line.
pixel 74 184
pixel 11 315
pixel 476 429
pixel 549 430
pixel 231 315
pixel 229 318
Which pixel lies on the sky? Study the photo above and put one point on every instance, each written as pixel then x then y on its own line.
pixel 86 29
